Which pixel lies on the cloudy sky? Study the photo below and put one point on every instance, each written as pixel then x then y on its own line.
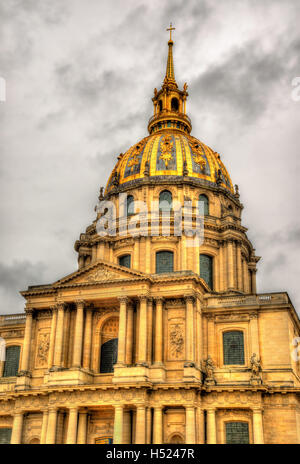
pixel 80 77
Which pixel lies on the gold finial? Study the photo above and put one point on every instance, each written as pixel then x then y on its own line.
pixel 171 29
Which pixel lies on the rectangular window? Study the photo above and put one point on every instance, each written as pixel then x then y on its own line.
pixel 233 347
pixel 11 365
pixel 206 269
pixel 164 262
pixel 125 261
pixel 5 436
pixel 237 433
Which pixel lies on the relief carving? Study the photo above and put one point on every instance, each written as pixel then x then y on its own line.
pixel 176 338
pixel 42 349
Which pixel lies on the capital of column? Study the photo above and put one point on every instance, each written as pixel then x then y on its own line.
pixel 257 410
pixel 29 311
pixel 80 303
pixel 189 298
pixel 61 305
pixel 158 299
pixel 123 299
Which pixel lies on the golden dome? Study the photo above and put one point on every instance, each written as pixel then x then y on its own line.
pixel 169 151
pixel 167 155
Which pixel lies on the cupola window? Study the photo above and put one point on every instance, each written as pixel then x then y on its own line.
pixel 165 200
pixel 206 269
pixel 174 104
pixel 130 205
pixel 164 262
pixel 203 201
pixel 125 260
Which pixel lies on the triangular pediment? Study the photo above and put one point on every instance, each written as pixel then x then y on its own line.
pixel 100 272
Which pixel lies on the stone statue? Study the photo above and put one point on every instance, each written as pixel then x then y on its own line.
pixel 185 86
pixel 209 368
pixel 155 92
pixel 255 370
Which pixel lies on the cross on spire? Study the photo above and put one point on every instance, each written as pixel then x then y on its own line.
pixel 171 29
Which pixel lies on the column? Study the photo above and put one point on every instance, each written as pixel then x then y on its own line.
pixel 59 335
pixel 230 264
pixel 17 428
pixel 148 255
pixel 158 331
pixel 82 427
pixel 118 425
pixel 122 331
pixel 44 427
pixel 246 276
pixel 140 434
pixel 27 342
pixel 136 253
pixel 239 265
pixel 87 339
pixel 129 336
pixel 148 426
pixel 258 431
pixel 211 427
pixel 211 336
pixel 253 281
pixel 224 269
pixel 199 331
pixel 52 337
pixel 51 429
pixel 78 336
pixel 200 426
pixel 190 426
pixel 221 265
pixel 254 337
pixel 149 330
pixel 158 425
pixel 190 357
pixel 72 426
pixel 142 350
pixel 127 439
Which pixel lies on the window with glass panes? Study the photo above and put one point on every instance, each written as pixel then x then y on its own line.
pixel 5 436
pixel 125 261
pixel 164 262
pixel 12 357
pixel 233 347
pixel 203 200
pixel 237 433
pixel 206 269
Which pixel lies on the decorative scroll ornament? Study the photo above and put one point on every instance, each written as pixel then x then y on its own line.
pixel 101 274
pixel 198 156
pixel 134 157
pixel 166 149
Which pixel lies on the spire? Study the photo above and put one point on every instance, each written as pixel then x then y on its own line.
pixel 170 76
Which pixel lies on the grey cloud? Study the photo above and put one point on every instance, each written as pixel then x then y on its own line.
pixel 245 80
pixel 16 277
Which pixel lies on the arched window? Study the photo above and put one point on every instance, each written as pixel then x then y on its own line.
pixel 237 433
pixel 203 200
pixel 12 357
pixel 5 436
pixel 164 262
pixel 206 269
pixel 109 355
pixel 165 200
pixel 130 205
pixel 125 260
pixel 174 104
pixel 233 347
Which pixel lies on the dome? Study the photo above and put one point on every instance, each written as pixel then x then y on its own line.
pixel 167 156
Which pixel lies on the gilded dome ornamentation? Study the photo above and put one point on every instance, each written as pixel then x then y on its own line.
pixel 169 152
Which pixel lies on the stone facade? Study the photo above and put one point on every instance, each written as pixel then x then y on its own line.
pixel 171 382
